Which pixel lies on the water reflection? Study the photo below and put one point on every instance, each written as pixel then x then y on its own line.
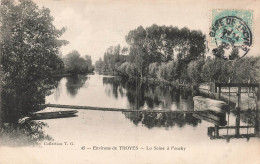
pixel 113 86
pixel 151 96
pixel 74 83
pixel 151 120
pixel 115 92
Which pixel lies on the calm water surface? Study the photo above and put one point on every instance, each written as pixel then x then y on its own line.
pixel 113 92
pixel 102 128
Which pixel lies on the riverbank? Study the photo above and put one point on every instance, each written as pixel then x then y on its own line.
pixel 165 82
pixel 70 74
pixel 154 81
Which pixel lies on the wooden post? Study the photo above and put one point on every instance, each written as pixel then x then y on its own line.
pixel 257 97
pixel 228 95
pixel 238 97
pixel 238 111
pixel 228 90
pixel 237 131
pixel 214 87
pixel 219 92
pixel 257 101
pixel 1 112
pixel 216 130
pixel 257 121
pixel 248 94
pixel 228 121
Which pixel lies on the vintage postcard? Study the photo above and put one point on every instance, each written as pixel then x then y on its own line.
pixel 129 81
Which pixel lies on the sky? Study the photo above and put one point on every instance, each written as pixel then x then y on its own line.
pixel 93 26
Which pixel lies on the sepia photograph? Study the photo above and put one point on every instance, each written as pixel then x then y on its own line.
pixel 129 81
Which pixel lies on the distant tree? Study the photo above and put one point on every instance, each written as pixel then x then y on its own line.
pixel 153 69
pixel 99 65
pixel 257 70
pixel 234 54
pixel 219 52
pixel 246 69
pixel 194 70
pixel 88 60
pixel 167 71
pixel 75 64
pixel 211 70
pixel 197 45
pixel 124 51
pixel 127 69
pixel 113 58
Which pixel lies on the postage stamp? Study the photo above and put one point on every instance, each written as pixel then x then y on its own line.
pixel 231 33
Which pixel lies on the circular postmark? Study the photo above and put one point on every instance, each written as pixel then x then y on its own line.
pixel 232 36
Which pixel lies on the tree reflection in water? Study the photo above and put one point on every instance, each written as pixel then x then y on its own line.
pixel 114 86
pixel 151 120
pixel 74 83
pixel 153 96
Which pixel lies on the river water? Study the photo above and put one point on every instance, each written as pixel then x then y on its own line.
pixel 155 137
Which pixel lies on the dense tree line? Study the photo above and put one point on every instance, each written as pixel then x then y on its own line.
pixel 156 50
pixel 177 55
pixel 217 69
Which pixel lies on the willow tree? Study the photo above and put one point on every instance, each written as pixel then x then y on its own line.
pixel 29 55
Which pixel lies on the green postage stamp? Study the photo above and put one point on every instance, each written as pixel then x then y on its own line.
pixel 231 33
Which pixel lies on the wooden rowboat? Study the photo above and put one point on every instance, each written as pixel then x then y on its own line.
pixel 52 115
